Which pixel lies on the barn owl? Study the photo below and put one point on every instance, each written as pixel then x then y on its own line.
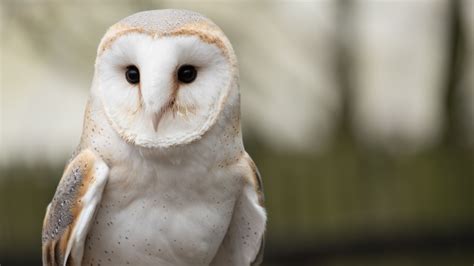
pixel 160 176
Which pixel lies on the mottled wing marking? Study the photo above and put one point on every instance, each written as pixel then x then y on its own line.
pixel 69 214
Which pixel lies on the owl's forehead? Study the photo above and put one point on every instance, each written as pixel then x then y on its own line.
pixel 168 22
pixel 161 21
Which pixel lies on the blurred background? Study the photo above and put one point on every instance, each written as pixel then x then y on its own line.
pixel 359 114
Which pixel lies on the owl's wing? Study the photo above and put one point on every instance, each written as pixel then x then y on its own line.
pixel 72 209
pixel 244 241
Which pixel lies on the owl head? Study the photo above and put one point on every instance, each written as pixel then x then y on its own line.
pixel 164 76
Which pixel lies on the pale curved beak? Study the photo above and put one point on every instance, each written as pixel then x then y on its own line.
pixel 156 118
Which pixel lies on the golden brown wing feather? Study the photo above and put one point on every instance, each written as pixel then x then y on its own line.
pixel 84 173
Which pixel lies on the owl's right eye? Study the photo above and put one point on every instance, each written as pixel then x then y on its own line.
pixel 132 74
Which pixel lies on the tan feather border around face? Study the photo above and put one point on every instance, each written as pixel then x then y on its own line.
pixel 204 31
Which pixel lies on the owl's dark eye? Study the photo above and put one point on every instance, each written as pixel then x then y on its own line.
pixel 132 75
pixel 187 73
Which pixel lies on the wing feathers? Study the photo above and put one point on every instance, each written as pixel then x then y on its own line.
pixel 256 180
pixel 69 215
pixel 243 242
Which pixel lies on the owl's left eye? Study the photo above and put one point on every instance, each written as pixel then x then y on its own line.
pixel 132 75
pixel 187 73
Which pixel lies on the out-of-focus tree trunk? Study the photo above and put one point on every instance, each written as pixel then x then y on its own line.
pixel 343 67
pixel 454 73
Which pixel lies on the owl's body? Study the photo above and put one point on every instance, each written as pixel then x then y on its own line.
pixel 157 181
